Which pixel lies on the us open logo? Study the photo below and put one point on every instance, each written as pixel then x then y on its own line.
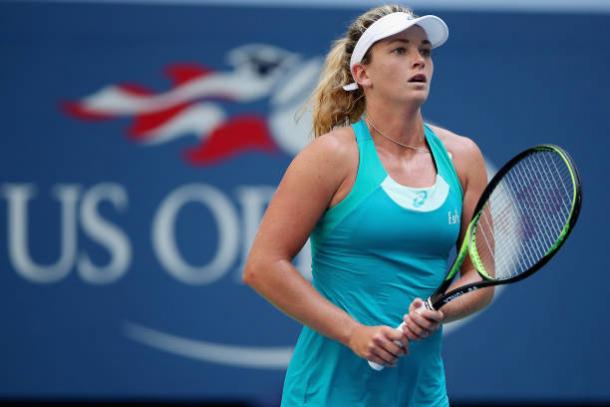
pixel 192 108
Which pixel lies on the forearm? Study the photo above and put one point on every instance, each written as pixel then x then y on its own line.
pixel 469 303
pixel 282 285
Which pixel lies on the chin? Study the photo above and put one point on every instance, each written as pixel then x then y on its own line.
pixel 409 96
pixel 415 97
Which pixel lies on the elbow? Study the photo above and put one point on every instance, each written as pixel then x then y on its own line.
pixel 248 276
pixel 251 275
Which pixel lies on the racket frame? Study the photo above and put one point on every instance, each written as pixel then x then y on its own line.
pixel 440 298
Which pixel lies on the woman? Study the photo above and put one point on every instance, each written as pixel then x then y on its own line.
pixel 383 200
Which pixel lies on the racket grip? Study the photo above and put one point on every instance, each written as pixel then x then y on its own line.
pixel 426 305
pixel 377 366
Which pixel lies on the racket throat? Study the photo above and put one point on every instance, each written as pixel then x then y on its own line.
pixel 439 302
pixel 428 304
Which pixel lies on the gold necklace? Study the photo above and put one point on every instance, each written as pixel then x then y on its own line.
pixel 418 149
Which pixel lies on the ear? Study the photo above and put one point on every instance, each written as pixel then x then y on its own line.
pixel 361 76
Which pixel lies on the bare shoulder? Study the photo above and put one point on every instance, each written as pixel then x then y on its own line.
pixel 466 155
pixel 339 143
pixel 322 169
pixel 335 151
pixel 459 146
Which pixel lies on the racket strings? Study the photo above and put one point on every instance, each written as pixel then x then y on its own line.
pixel 548 180
pixel 525 215
pixel 539 208
pixel 535 206
pixel 556 210
pixel 540 223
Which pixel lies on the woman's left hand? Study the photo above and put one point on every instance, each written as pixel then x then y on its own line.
pixel 421 322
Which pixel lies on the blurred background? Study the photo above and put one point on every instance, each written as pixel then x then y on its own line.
pixel 142 141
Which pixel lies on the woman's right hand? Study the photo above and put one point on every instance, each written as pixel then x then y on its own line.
pixel 377 344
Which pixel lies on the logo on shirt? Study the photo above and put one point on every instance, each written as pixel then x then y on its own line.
pixel 453 218
pixel 420 198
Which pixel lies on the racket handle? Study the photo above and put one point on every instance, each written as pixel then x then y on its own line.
pixel 378 366
pixel 426 305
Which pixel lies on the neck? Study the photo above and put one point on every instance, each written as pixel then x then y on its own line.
pixel 403 124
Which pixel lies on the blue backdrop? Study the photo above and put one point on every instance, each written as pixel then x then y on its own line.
pixel 140 144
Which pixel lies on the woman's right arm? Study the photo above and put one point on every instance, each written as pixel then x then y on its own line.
pixel 317 175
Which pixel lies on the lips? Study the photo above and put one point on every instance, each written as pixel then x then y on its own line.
pixel 419 78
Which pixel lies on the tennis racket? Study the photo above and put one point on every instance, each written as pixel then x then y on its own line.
pixel 524 215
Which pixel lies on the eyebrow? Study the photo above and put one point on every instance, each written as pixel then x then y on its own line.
pixel 424 42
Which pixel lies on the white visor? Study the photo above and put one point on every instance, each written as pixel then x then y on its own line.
pixel 435 28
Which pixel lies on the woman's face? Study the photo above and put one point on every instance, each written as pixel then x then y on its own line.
pixel 401 67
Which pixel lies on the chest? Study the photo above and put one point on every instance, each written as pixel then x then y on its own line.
pixel 383 223
pixel 417 170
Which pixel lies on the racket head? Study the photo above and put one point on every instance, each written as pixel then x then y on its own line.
pixel 525 214
pixel 475 234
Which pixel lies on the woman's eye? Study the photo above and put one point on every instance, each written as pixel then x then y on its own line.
pixel 426 52
pixel 400 50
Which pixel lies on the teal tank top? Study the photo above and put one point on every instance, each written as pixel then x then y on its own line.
pixel 374 252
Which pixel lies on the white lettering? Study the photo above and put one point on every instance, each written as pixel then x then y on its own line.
pixel 105 233
pixel 163 234
pixel 17 196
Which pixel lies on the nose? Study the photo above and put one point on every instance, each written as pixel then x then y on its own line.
pixel 419 61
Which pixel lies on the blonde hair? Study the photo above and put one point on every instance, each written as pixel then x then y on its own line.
pixel 332 105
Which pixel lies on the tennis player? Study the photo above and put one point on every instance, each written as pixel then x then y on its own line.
pixel 383 196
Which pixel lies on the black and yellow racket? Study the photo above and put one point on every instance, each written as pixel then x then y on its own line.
pixel 525 214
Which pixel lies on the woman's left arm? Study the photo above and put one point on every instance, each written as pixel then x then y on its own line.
pixel 470 166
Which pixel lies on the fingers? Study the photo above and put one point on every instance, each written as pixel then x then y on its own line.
pixel 417 305
pixel 390 340
pixel 380 344
pixel 409 333
pixel 414 331
pixel 422 307
pixel 400 336
pixel 431 315
pixel 388 345
pixel 384 357
pixel 421 321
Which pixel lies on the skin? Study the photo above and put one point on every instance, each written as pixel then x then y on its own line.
pixel 322 175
